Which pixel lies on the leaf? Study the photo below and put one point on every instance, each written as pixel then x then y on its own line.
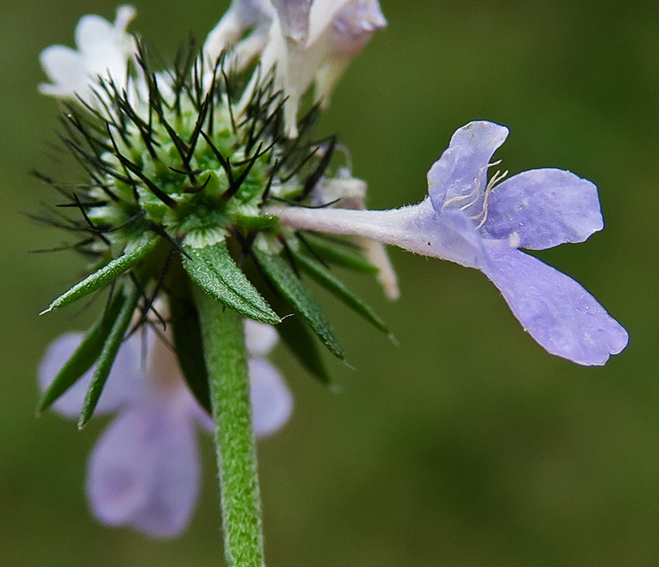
pixel 299 338
pixel 285 280
pixel 186 333
pixel 262 222
pixel 108 354
pixel 340 254
pixel 84 356
pixel 111 271
pixel 339 289
pixel 213 270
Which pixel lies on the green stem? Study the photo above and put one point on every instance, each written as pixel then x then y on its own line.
pixel 226 360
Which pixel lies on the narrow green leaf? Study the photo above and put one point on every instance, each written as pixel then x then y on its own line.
pixel 108 354
pixel 303 303
pixel 335 286
pixel 213 269
pixel 261 223
pixel 341 255
pixel 299 338
pixel 186 333
pixel 104 275
pixel 84 356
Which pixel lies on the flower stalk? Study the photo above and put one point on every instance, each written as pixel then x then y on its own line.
pixel 240 499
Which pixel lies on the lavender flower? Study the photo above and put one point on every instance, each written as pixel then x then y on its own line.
pixel 474 222
pixel 144 471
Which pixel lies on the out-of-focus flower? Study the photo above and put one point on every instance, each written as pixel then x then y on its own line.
pixel 471 221
pixel 103 50
pixel 144 471
pixel 303 41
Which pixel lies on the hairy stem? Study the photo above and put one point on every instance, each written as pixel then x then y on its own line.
pixel 224 348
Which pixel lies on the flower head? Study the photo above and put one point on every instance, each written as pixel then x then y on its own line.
pixel 144 471
pixel 480 224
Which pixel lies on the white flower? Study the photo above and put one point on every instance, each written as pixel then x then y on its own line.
pixel 103 50
pixel 305 41
pixel 144 471
pixel 314 42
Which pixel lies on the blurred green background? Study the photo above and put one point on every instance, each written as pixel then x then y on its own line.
pixel 467 445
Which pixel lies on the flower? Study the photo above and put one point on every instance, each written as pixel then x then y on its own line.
pixel 481 224
pixel 304 41
pixel 103 51
pixel 144 471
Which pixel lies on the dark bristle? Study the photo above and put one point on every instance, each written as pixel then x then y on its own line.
pixel 235 186
pixel 224 162
pixel 290 257
pixel 315 176
pixel 312 250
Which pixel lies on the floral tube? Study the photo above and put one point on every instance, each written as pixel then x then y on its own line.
pixel 472 222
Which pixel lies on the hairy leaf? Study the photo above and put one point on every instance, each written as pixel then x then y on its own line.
pixel 108 354
pixel 289 285
pixel 214 271
pixel 104 275
pixel 84 356
pixel 338 288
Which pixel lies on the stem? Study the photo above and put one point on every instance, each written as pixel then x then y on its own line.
pixel 224 348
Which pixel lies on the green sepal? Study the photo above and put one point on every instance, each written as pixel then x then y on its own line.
pixel 111 271
pixel 335 286
pixel 262 222
pixel 341 254
pixel 188 345
pixel 108 354
pixel 84 356
pixel 290 286
pixel 214 271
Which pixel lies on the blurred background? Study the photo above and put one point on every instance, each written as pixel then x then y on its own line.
pixel 467 445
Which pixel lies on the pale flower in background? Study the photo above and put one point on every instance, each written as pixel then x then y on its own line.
pixel 304 42
pixel 144 471
pixel 103 50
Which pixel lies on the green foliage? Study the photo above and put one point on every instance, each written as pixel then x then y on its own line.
pixel 334 285
pixel 108 273
pixel 108 353
pixel 289 285
pixel 214 271
pixel 85 355
pixel 340 252
pixel 188 345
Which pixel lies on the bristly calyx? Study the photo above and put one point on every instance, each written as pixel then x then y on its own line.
pixel 179 165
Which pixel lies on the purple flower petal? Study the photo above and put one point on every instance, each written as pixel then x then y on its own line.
pixel 57 353
pixel 272 402
pixel 144 472
pixel 556 311
pixel 125 383
pixel 462 169
pixel 545 207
